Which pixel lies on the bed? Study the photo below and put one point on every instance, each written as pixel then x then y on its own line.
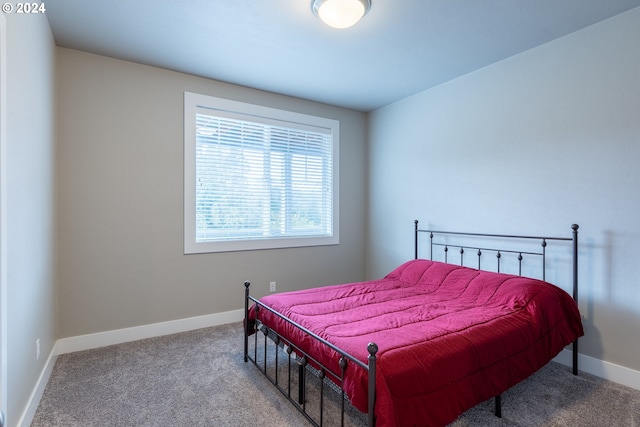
pixel 426 342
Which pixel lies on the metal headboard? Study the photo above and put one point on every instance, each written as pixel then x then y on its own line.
pixel 434 241
pixel 434 234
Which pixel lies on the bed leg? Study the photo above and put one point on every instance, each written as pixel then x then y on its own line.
pixel 499 406
pixel 575 357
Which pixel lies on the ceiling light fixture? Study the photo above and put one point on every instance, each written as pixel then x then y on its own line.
pixel 340 13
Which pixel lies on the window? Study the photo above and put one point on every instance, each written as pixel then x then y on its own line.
pixel 257 177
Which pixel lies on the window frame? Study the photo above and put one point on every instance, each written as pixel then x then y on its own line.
pixel 193 103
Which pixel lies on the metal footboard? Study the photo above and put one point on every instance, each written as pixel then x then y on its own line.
pixel 302 362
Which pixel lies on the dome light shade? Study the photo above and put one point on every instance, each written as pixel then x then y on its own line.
pixel 340 13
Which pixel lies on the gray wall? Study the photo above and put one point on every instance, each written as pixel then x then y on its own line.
pixel 528 145
pixel 120 202
pixel 30 205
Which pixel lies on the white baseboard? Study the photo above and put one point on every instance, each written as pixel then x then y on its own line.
pixel 27 416
pixel 118 336
pixel 600 368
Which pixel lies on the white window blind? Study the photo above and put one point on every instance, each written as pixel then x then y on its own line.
pixel 260 180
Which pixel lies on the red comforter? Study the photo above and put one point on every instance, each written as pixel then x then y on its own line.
pixel 449 337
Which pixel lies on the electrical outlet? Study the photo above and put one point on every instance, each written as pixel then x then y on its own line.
pixel 272 286
pixel 38 349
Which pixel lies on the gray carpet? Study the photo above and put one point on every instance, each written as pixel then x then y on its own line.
pixel 199 378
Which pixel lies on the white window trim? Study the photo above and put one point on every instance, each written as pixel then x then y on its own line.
pixel 194 101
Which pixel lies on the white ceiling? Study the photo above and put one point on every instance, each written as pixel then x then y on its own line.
pixel 401 47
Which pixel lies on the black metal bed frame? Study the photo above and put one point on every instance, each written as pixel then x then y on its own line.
pixel 306 362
